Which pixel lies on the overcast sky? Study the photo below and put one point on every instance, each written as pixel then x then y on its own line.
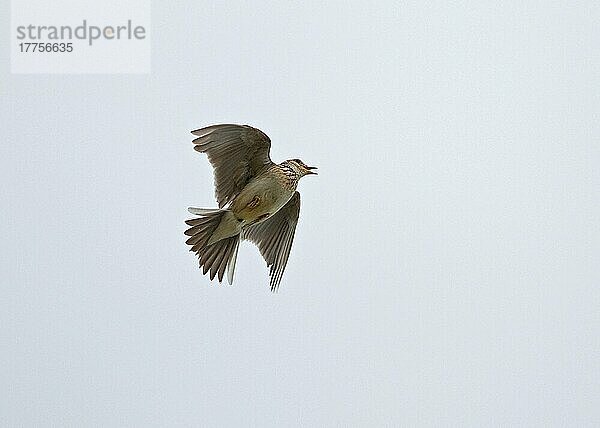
pixel 445 265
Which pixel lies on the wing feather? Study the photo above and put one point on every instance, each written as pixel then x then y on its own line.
pixel 237 153
pixel 274 238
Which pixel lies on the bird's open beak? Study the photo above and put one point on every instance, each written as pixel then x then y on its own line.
pixel 310 168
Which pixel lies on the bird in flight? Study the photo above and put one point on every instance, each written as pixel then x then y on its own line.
pixel 257 201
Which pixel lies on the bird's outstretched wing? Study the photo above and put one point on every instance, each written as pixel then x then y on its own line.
pixel 274 237
pixel 237 153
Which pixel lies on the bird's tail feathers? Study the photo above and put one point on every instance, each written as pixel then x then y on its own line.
pixel 214 255
pixel 203 211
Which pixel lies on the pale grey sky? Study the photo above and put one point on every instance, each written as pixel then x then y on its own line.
pixel 445 266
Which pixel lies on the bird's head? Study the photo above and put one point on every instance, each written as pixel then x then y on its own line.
pixel 301 168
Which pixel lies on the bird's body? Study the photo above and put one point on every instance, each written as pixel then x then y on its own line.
pixel 262 204
pixel 263 195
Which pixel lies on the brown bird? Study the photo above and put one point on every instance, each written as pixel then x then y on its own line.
pixel 257 201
